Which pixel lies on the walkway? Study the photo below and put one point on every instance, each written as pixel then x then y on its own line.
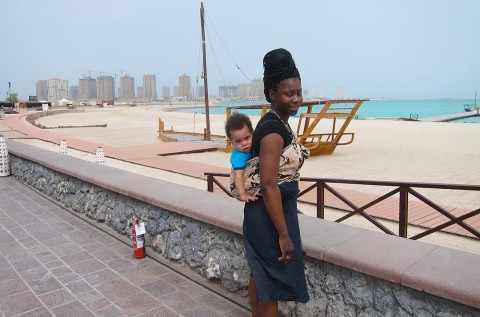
pixel 53 263
pixel 450 117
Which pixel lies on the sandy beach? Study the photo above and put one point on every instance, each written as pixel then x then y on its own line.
pixel 391 150
pixel 434 152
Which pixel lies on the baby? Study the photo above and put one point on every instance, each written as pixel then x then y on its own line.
pixel 240 132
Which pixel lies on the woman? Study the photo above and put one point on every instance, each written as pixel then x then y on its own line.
pixel 271 231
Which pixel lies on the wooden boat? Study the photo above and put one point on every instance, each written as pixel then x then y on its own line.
pixel 337 113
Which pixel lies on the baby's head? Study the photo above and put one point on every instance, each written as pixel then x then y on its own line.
pixel 239 130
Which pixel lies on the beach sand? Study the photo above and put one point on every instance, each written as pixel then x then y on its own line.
pixel 389 150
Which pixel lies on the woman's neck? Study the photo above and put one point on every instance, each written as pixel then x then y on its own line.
pixel 281 117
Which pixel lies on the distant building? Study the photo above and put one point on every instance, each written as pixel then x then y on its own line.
pixel 87 88
pixel 341 93
pixel 176 91
pixel 42 90
pixel 74 92
pixel 227 91
pixel 105 87
pixel 200 92
pixel 139 92
pixel 166 93
pixel 127 87
pixel 256 89
pixel 184 87
pixel 52 89
pixel 150 87
pixel 243 91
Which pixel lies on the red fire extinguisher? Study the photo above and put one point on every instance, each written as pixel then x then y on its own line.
pixel 138 239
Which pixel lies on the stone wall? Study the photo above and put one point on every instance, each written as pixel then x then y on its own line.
pixel 212 250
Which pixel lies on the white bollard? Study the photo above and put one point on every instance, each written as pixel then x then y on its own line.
pixel 99 156
pixel 63 147
pixel 4 159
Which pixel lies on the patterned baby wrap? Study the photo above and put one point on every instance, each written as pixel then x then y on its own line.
pixel 291 160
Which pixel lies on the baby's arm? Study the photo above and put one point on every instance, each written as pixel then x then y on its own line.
pixel 240 186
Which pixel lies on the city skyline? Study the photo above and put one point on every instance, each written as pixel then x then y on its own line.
pixel 373 48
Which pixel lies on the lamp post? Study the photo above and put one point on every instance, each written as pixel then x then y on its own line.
pixel 10 91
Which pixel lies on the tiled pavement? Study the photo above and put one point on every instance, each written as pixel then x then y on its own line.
pixel 53 263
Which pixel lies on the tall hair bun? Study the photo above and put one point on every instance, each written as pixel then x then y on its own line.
pixel 278 65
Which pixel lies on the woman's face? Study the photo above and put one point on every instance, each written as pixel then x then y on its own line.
pixel 288 97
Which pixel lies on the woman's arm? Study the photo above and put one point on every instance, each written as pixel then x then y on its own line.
pixel 271 148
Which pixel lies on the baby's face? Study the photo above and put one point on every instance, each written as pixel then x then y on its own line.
pixel 242 139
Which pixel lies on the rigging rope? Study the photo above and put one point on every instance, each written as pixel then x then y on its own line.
pixel 215 58
pixel 221 40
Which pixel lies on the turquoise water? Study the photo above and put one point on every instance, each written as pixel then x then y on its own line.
pixel 377 108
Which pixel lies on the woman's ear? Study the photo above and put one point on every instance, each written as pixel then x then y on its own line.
pixel 271 94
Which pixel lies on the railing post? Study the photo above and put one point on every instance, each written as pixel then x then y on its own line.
pixel 210 183
pixel 403 212
pixel 320 200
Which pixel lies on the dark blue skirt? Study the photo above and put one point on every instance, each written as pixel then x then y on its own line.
pixel 274 281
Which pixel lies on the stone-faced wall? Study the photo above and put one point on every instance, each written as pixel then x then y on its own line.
pixel 214 251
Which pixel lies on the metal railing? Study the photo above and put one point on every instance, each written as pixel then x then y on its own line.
pixel 404 189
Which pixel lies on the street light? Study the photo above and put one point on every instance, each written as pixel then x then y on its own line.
pixel 10 91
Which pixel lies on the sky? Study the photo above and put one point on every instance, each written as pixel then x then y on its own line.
pixel 402 49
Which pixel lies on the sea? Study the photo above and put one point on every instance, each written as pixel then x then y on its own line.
pixel 378 108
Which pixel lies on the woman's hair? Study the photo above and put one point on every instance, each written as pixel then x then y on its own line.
pixel 278 65
pixel 236 122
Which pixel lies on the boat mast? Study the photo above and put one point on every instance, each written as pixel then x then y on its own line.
pixel 207 112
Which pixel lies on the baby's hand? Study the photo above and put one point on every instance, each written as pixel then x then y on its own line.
pixel 247 198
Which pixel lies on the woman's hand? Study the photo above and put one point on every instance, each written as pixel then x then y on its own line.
pixel 286 246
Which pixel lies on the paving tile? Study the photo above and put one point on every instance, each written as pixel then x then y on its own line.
pixel 56 298
pixel 60 270
pixel 100 277
pixel 98 304
pixel 34 274
pixel 78 257
pixel 7 273
pixel 158 288
pixel 53 264
pixel 68 278
pixel 13 286
pixel 191 289
pixel 161 311
pixel 38 312
pixel 19 303
pixel 109 311
pixel 79 286
pixel 89 296
pixel 88 266
pixel 65 249
pixel 138 276
pixel 179 302
pixel 137 303
pixel 45 285
pixel 202 311
pixel 215 302
pixel 72 309
pixel 117 289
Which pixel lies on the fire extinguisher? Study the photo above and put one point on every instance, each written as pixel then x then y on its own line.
pixel 138 239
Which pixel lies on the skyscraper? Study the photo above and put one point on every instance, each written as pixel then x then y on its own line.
pixel 87 88
pixel 127 87
pixel 74 92
pixel 166 93
pixel 184 86
pixel 42 90
pixel 105 88
pixel 149 87
pixel 57 89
